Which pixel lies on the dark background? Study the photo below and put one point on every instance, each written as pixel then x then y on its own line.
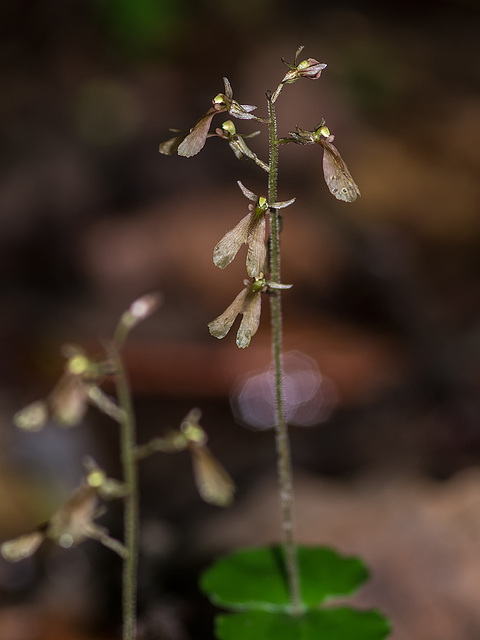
pixel 385 296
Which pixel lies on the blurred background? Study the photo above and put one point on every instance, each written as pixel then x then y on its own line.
pixel 382 325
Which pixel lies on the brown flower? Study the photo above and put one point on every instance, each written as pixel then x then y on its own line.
pixel 212 481
pixel 193 141
pixel 336 173
pixel 248 304
pixel 251 231
pixel 309 68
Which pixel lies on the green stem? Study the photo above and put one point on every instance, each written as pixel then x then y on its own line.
pixel 284 465
pixel 131 508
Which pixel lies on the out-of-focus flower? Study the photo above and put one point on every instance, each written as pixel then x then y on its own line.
pixel 194 140
pixel 247 303
pixel 68 400
pixel 237 143
pixel 71 524
pixel 212 481
pixel 251 231
pixel 140 309
pixel 309 68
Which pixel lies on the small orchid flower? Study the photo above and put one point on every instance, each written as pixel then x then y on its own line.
pixel 336 173
pixel 237 143
pixel 247 303
pixel 73 522
pixel 67 402
pixel 309 68
pixel 251 231
pixel 213 482
pixel 193 141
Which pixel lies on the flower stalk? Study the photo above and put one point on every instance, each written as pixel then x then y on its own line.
pixel 284 464
pixel 131 502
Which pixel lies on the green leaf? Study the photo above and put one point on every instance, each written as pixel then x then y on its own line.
pixel 327 624
pixel 255 579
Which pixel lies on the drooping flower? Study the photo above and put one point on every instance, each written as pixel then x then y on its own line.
pixel 194 140
pixel 73 522
pixel 68 401
pixel 247 303
pixel 213 482
pixel 251 231
pixel 337 175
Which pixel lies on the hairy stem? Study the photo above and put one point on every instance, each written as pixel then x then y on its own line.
pixel 284 465
pixel 131 513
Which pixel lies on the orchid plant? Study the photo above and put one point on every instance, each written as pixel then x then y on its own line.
pixel 277 592
pixel 82 384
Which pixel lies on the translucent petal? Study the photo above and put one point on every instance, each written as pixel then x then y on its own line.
pixel 228 247
pixel 257 249
pixel 337 176
pixel 222 325
pixel 195 140
pixel 251 319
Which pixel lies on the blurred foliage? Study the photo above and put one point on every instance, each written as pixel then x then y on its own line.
pixel 142 26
